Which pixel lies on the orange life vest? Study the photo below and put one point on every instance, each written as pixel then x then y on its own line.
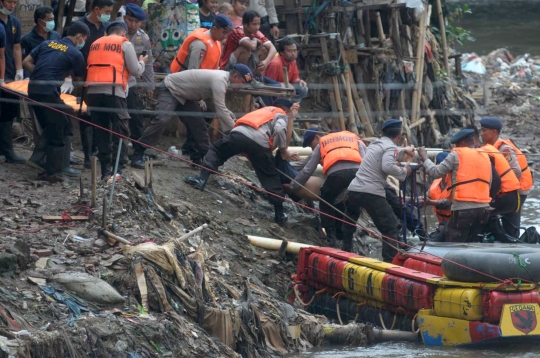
pixel 259 117
pixel 526 180
pixel 210 60
pixel 438 193
pixel 106 63
pixel 337 147
pixel 509 180
pixel 472 179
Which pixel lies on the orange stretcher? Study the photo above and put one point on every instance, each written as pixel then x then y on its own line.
pixel 22 88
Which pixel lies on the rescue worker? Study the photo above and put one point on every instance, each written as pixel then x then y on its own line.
pixel 202 48
pixel 13 72
pixel 134 18
pixel 473 182
pixel 112 59
pixel 256 134
pixel 367 190
pixel 97 21
pixel 42 31
pixel 490 133
pixel 340 155
pixel 439 197
pixel 49 64
pixel 187 91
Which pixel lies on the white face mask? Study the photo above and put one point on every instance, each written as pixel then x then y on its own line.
pixel 5 11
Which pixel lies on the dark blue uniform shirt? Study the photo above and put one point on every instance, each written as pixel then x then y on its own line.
pixel 2 37
pixel 95 34
pixel 32 40
pixel 13 36
pixel 54 60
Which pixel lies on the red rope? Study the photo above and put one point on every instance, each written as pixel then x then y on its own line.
pixel 244 183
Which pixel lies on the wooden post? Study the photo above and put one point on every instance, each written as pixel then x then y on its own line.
pixel 151 172
pixel 350 104
pixel 60 20
pixel 360 104
pixel 367 28
pixel 326 59
pixel 71 10
pixel 442 30
pixel 94 182
pixel 380 29
pixel 420 51
pixel 286 76
pixel 105 212
pixel 146 173
pixel 81 189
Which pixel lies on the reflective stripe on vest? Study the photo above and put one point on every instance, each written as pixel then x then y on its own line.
pixel 526 180
pixel 106 63
pixel 437 193
pixel 260 117
pixel 341 146
pixel 472 179
pixel 509 181
pixel 210 60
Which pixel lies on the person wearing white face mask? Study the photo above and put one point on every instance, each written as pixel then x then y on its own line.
pixel 97 21
pixel 44 30
pixel 14 71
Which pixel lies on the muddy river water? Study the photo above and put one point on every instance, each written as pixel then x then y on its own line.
pixel 514 24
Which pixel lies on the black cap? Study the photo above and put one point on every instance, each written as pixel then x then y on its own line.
pixel 136 11
pixel 392 123
pixel 462 134
pixel 116 23
pixel 282 102
pixel 491 123
pixel 309 135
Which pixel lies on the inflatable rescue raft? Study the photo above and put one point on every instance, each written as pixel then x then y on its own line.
pixel 413 294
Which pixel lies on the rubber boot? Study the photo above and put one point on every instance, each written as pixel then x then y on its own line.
pixel 106 171
pixel 55 163
pixel 86 140
pixel 137 160
pixel 199 182
pixel 38 155
pixel 6 144
pixel 330 238
pixel 280 216
pixel 66 168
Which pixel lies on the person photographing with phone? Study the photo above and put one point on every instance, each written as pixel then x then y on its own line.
pixel 111 61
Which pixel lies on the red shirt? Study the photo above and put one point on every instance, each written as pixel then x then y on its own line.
pixel 275 70
pixel 233 41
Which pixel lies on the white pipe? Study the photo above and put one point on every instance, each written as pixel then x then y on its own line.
pixel 273 244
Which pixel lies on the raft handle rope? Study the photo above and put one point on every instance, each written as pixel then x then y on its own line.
pixel 237 180
pixel 312 298
pixel 413 325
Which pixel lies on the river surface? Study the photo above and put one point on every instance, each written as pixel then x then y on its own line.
pixel 514 24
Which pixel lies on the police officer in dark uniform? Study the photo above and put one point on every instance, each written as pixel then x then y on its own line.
pixel 44 30
pixel 13 54
pixel 134 18
pixel 49 64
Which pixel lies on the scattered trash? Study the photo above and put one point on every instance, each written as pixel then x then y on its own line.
pixel 88 287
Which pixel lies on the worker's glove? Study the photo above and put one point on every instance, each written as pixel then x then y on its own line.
pixel 67 86
pixel 19 75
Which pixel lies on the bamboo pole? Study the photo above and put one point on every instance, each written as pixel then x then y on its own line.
pixel 93 198
pixel 360 104
pixel 380 29
pixel 420 51
pixel 442 30
pixel 339 106
pixel 352 119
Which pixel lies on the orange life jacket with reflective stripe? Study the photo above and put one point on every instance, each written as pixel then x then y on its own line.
pixel 259 117
pixel 472 179
pixel 526 180
pixel 211 58
pixel 337 147
pixel 438 193
pixel 106 63
pixel 509 180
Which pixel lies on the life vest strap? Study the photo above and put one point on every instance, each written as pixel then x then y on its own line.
pixel 506 172
pixel 467 182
